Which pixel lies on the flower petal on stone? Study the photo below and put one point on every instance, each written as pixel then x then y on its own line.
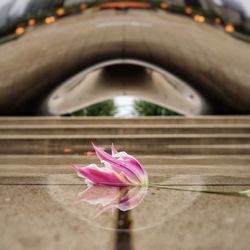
pixel 114 150
pixel 128 158
pixel 123 173
pixel 100 176
pixel 120 170
pixel 124 164
pixel 116 164
pixel 135 164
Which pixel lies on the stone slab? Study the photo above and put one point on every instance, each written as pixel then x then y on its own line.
pixel 42 216
pixel 221 120
pixel 68 158
pixel 123 129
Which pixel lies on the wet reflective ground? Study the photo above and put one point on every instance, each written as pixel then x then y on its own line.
pixel 44 205
pixel 52 211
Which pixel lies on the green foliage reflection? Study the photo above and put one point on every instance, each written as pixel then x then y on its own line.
pixel 143 108
pixel 105 108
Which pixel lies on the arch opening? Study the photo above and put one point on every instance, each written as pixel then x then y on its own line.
pixel 125 77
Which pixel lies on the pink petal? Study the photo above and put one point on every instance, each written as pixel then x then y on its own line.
pixel 131 170
pixel 127 175
pixel 134 163
pixel 128 158
pixel 99 175
pixel 114 150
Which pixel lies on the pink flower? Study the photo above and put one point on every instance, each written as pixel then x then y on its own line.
pixel 120 169
pixel 111 197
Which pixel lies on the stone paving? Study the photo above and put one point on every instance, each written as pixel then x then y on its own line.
pixel 38 192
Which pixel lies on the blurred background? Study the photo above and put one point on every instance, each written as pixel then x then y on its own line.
pixel 165 81
pixel 19 17
pixel 235 11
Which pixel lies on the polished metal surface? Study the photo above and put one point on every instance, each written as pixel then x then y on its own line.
pixel 206 59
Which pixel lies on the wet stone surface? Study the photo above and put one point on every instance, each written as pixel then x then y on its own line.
pixel 52 215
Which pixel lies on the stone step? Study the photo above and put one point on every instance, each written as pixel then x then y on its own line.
pixel 112 120
pixel 144 135
pixel 212 160
pixel 179 138
pixel 124 129
pixel 133 146
pixel 155 170
pixel 67 179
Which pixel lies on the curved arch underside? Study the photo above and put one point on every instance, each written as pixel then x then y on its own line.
pixel 124 77
pixel 208 60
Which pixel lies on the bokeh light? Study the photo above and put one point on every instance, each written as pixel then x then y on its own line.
pixel 199 19
pixel 188 10
pixel 164 6
pixel 67 150
pixel 83 6
pixel 50 20
pixel 217 21
pixel 229 28
pixel 60 12
pixel 32 22
pixel 20 31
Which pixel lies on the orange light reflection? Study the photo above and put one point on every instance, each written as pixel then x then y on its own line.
pixel 50 20
pixel 20 31
pixel 229 28
pixel 188 10
pixel 83 6
pixel 199 19
pixel 217 21
pixel 60 12
pixel 32 22
pixel 164 6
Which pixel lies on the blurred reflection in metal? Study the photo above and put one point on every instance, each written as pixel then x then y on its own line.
pixel 208 61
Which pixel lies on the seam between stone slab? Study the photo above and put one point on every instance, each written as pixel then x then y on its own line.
pixel 127 136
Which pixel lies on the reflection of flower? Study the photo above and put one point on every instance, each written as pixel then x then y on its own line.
pixel 112 197
pixel 120 170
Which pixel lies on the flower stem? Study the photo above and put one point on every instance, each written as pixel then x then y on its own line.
pixel 231 193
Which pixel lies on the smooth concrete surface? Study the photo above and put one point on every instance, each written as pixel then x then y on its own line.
pixel 28 171
pixel 48 222
pixel 209 223
pixel 68 158
pixel 205 58
pixel 32 219
pixel 123 129
pixel 160 136
pixel 136 144
pixel 38 211
pixel 109 121
pixel 39 207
